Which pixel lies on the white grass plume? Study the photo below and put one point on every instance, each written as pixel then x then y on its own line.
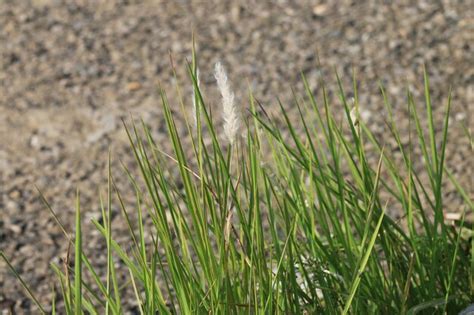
pixel 195 96
pixel 229 111
pixel 354 114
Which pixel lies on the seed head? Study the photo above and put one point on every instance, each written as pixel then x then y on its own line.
pixel 354 114
pixel 195 110
pixel 229 112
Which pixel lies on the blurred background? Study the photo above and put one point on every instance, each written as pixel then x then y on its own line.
pixel 70 71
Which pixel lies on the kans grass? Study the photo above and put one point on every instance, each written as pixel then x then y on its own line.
pixel 266 221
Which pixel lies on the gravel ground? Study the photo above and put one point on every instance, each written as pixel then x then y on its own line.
pixel 70 72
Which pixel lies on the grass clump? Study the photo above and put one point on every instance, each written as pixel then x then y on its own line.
pixel 281 222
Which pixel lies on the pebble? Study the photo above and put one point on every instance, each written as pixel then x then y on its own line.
pixel 133 86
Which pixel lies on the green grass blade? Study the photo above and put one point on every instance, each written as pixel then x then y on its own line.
pixel 363 264
pixel 23 283
pixel 78 260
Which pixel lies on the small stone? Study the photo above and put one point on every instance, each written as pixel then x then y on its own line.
pixel 365 115
pixel 320 9
pixel 16 229
pixel 452 216
pixel 460 116
pixel 133 86
pixel 15 194
pixel 35 142
pixel 468 311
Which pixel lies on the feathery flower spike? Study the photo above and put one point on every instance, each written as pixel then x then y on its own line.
pixel 354 113
pixel 229 112
pixel 195 101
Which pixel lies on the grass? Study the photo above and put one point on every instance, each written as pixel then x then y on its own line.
pixel 266 224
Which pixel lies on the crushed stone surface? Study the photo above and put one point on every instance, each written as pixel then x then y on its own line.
pixel 70 71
